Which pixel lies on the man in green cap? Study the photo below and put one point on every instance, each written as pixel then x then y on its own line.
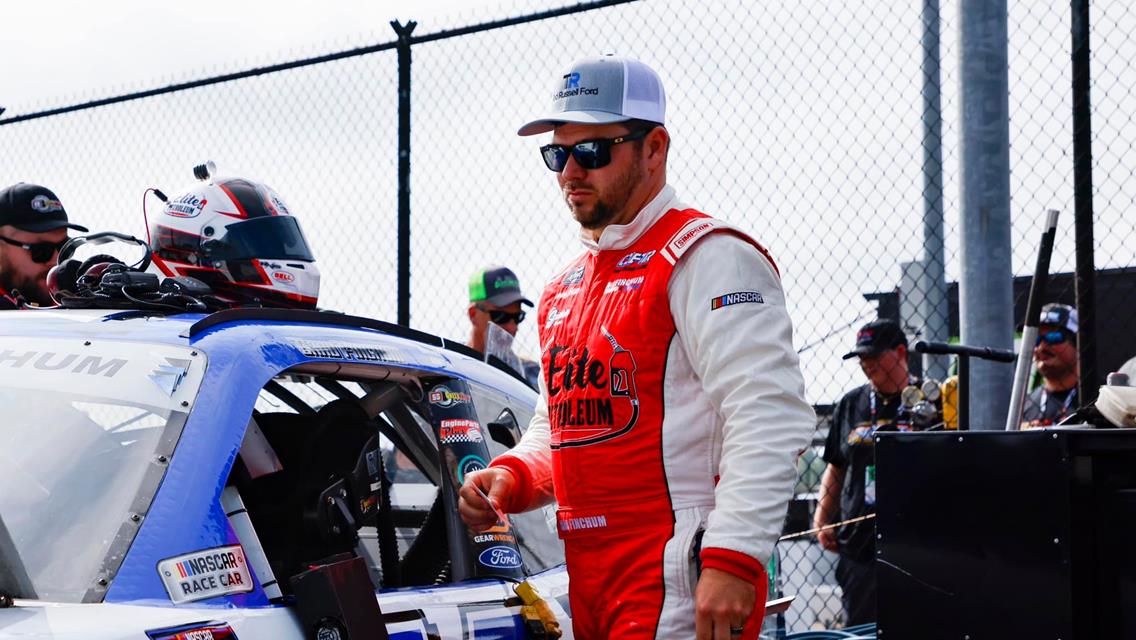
pixel 495 299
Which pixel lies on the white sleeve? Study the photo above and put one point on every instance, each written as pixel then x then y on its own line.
pixel 742 354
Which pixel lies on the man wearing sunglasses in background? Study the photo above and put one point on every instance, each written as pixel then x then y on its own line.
pixel 495 298
pixel 1056 358
pixel 672 406
pixel 33 227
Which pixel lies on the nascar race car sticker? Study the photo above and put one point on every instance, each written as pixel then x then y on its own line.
pixel 194 631
pixel 206 574
pixel 459 430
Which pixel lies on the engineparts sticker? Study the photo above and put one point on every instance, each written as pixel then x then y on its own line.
pixel 206 574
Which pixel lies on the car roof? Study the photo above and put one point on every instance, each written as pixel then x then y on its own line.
pixel 200 330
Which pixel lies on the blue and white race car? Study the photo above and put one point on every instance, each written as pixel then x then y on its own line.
pixel 257 473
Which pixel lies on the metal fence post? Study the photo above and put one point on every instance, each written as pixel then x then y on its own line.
pixel 1083 205
pixel 403 46
pixel 935 309
pixel 986 285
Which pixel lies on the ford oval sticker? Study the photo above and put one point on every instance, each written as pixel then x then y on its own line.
pixel 500 558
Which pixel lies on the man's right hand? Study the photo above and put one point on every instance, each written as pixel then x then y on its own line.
pixel 827 539
pixel 497 483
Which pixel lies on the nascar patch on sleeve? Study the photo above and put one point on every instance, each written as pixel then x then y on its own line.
pixel 206 574
pixel 740 297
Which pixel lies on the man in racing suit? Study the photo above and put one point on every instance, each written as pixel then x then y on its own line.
pixel 672 406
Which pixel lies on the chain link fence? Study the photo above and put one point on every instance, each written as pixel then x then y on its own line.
pixel 800 122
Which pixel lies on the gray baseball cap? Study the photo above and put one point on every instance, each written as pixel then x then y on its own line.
pixel 603 90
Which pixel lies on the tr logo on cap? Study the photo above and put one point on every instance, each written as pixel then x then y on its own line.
pixel 603 90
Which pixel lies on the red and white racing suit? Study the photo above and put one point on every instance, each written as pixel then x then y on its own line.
pixel 671 404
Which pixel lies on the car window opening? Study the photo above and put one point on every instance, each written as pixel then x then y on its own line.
pixel 354 475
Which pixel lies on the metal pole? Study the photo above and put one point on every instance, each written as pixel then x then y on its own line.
pixel 1029 328
pixel 935 309
pixel 1083 205
pixel 985 288
pixel 403 47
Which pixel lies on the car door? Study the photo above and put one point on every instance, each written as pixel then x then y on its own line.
pixel 448 582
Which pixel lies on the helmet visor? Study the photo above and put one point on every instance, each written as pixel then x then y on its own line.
pixel 269 238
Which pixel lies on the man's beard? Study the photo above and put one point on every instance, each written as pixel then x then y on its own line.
pixel 609 205
pixel 30 289
pixel 1057 369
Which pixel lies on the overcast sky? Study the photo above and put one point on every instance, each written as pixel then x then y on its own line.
pixel 102 48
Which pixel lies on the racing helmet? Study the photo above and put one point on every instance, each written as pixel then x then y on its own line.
pixel 239 237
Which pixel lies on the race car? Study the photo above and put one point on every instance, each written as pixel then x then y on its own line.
pixel 258 473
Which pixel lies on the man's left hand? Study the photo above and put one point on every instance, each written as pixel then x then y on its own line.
pixel 722 601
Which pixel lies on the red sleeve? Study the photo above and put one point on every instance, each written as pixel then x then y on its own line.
pixel 522 496
pixel 737 564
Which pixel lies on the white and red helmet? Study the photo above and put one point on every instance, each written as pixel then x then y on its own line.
pixel 239 237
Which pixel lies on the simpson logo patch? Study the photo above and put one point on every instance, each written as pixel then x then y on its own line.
pixel 741 297
pixel 206 574
pixel 684 239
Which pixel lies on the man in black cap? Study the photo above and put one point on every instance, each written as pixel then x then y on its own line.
pixel 33 227
pixel 848 488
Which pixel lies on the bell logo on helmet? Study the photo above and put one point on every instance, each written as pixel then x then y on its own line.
pixel 277 205
pixel 283 276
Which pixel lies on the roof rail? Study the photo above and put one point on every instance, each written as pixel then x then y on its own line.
pixel 245 314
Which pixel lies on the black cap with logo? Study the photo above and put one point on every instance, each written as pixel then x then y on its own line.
pixel 876 337
pixel 496 285
pixel 32 208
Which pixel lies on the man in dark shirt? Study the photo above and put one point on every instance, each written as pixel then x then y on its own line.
pixel 33 227
pixel 1056 358
pixel 850 478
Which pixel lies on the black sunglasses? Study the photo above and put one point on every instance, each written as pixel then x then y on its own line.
pixel 504 317
pixel 590 154
pixel 41 251
pixel 1053 337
